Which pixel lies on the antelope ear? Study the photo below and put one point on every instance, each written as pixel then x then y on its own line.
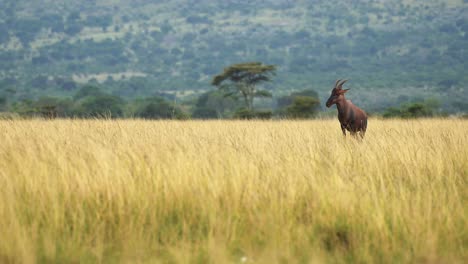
pixel 343 91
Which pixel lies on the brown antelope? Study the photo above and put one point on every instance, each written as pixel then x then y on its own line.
pixel 351 117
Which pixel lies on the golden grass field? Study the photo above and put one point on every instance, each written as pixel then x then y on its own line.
pixel 134 191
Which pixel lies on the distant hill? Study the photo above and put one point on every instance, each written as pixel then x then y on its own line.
pixel 392 50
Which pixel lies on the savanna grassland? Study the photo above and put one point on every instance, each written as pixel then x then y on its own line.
pixel 133 191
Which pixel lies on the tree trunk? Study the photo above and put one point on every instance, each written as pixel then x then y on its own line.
pixel 250 102
pixel 247 101
pixel 247 92
pixel 251 93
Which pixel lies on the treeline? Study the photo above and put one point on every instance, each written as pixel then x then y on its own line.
pixel 238 94
pixel 92 102
pixel 426 108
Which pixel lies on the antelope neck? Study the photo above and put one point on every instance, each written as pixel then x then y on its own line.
pixel 341 106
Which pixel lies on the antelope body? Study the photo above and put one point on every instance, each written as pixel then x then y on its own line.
pixel 351 117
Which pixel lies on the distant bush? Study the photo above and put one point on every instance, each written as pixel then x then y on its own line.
pixel 244 113
pixel 303 104
pixel 99 21
pixel 105 105
pixel 204 113
pixel 3 103
pixel 195 19
pixel 47 107
pixel 427 108
pixel 87 90
pixel 214 104
pixel 303 107
pixel 158 108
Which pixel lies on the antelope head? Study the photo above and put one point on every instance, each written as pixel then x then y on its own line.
pixel 337 93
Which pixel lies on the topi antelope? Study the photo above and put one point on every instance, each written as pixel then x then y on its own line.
pixel 351 117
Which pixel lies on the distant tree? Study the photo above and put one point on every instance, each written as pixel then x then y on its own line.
pixel 447 83
pixel 65 84
pixel 47 107
pixel 302 107
pixel 176 52
pixel 214 104
pixel 51 20
pixel 303 104
pixel 73 28
pixel 58 28
pixel 460 106
pixel 463 24
pixel 74 16
pixel 302 35
pixel 287 100
pixel 40 82
pixel 166 27
pixel 158 108
pixel 40 60
pixel 99 21
pixel 195 19
pixel 205 113
pixel 426 108
pixel 3 103
pixel 90 101
pixel 242 79
pixel 244 113
pixel 189 37
pixel 448 28
pixel 105 105
pixel 86 91
pixel 52 107
pixel 4 37
pixel 26 37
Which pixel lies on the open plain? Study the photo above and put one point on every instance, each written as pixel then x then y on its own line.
pixel 136 191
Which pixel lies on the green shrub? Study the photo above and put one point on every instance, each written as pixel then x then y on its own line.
pixel 244 113
pixel 427 108
pixel 108 106
pixel 158 108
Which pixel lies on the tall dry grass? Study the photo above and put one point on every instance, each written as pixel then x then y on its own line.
pixel 130 191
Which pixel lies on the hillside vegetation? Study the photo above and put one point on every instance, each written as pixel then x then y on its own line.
pixel 393 51
pixel 135 191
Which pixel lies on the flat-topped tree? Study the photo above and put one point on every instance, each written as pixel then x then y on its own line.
pixel 241 80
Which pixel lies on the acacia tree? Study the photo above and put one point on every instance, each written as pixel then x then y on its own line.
pixel 241 80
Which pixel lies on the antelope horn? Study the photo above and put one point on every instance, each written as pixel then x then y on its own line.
pixel 337 81
pixel 341 84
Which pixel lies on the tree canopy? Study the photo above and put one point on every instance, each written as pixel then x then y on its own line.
pixel 250 73
pixel 241 79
